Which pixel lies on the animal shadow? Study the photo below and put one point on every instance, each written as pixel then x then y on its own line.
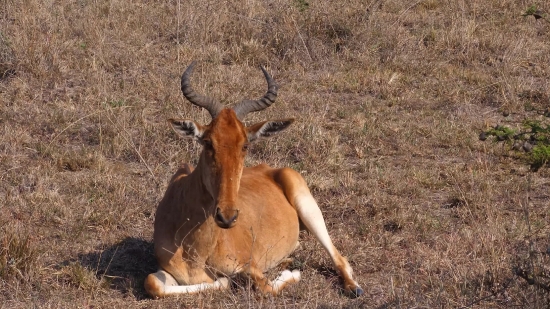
pixel 122 266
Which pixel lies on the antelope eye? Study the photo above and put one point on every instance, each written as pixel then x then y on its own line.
pixel 245 147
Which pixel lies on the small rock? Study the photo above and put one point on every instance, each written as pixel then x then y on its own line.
pixel 482 136
pixel 527 147
pixel 57 220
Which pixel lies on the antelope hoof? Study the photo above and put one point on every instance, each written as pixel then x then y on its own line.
pixel 355 292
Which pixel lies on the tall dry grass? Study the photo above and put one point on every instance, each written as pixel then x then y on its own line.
pixel 389 99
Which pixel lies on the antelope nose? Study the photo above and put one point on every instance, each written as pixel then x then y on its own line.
pixel 226 221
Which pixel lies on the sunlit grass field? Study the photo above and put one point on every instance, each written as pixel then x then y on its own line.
pixel 389 99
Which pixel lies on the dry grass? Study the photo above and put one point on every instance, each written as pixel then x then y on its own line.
pixel 389 97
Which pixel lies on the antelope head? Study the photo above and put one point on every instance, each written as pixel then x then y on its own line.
pixel 225 142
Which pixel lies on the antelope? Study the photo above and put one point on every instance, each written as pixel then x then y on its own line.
pixel 222 218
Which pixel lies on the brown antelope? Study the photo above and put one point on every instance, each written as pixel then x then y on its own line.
pixel 222 218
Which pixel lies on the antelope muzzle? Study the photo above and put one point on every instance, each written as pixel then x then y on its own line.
pixel 226 219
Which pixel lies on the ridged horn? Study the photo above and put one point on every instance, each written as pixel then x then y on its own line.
pixel 249 106
pixel 210 104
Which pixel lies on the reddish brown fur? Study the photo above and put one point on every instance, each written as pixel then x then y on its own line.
pixel 190 244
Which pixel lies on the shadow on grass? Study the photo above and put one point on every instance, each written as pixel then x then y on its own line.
pixel 123 266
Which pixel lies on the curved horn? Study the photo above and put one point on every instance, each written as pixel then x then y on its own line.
pixel 210 104
pixel 248 106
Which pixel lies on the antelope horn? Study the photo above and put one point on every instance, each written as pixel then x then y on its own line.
pixel 248 106
pixel 210 104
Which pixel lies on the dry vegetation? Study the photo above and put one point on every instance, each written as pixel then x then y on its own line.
pixel 389 96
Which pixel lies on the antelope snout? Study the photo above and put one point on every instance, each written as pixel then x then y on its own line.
pixel 226 219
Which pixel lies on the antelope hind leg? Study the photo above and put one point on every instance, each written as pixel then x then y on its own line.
pixel 311 216
pixel 296 191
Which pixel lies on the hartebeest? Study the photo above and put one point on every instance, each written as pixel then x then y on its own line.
pixel 222 218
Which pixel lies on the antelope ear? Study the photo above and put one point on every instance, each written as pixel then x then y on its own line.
pixel 187 128
pixel 267 128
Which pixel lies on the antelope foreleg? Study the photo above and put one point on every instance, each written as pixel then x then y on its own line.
pixel 162 284
pixel 276 286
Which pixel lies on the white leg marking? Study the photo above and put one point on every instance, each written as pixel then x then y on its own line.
pixel 220 284
pixel 311 216
pixel 285 278
pixel 170 286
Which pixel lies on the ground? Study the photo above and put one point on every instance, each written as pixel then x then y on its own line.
pixel 389 99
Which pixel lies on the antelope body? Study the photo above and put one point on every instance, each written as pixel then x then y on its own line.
pixel 222 218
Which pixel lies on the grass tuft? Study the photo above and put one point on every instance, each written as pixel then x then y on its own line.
pixel 18 257
pixel 7 58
